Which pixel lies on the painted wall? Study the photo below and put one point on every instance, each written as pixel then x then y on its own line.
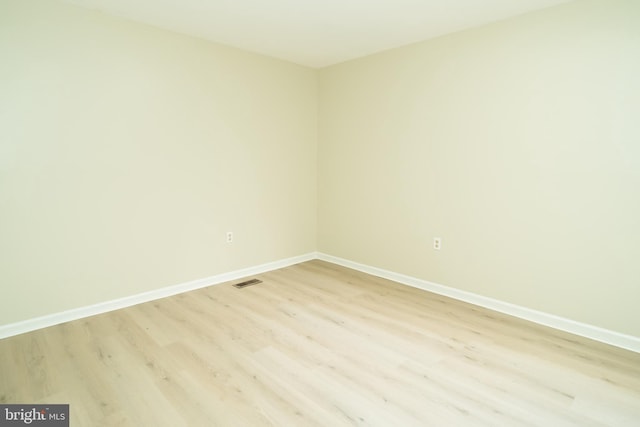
pixel 127 152
pixel 517 143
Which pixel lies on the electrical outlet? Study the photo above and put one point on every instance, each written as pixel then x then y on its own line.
pixel 437 243
pixel 229 236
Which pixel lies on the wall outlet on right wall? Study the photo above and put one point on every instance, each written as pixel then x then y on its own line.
pixel 437 243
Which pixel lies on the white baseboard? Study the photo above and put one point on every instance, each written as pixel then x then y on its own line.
pixel 103 307
pixel 617 339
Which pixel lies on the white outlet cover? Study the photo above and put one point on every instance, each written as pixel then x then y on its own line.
pixel 437 243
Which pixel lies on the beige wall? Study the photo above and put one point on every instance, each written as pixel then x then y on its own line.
pixel 517 143
pixel 127 152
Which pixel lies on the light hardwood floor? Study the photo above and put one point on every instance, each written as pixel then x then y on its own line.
pixel 319 345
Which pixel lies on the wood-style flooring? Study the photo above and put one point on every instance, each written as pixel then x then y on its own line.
pixel 316 344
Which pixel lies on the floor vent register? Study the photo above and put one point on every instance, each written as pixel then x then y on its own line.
pixel 247 283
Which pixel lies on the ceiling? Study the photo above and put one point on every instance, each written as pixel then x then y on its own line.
pixel 316 33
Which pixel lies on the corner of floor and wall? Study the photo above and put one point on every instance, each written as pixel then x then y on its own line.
pixel 128 153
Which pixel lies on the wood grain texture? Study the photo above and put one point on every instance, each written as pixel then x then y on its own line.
pixel 316 344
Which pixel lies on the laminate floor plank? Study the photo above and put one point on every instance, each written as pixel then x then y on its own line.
pixel 314 345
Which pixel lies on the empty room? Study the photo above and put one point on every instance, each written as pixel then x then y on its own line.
pixel 320 213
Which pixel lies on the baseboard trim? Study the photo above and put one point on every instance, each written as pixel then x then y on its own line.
pixel 617 339
pixel 104 307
